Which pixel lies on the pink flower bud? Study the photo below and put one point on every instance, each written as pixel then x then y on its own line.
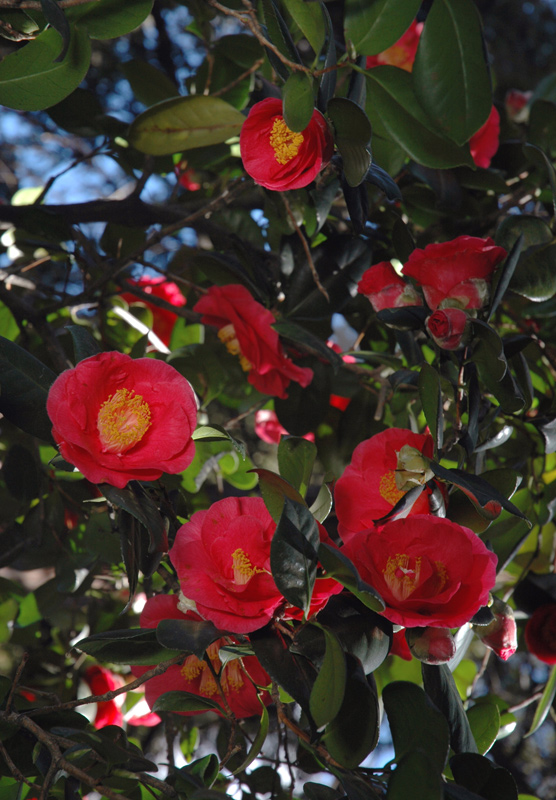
pixel 500 635
pixel 431 645
pixel 447 327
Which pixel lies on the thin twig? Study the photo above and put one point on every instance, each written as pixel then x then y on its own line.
pixel 308 255
pixel 17 678
pixel 253 68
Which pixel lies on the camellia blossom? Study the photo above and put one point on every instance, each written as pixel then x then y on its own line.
pixel 402 53
pixel 245 327
pixel 222 558
pixel 448 327
pixel 501 634
pixel 484 143
pixel 269 429
pixel 238 677
pixel 378 477
pixel 278 158
pixel 457 273
pixel 428 570
pixel 100 681
pixel 540 633
pixel 116 418
pixel 384 288
pixel 163 319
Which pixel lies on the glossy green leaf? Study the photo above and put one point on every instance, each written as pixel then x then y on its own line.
pixel 414 720
pixel 396 113
pixel 275 490
pixel 352 134
pixel 430 392
pixel 216 433
pixel 184 701
pixel 545 703
pixel 56 18
pixel 296 457
pixel 328 691
pixel 450 74
pixel 480 775
pixel 374 26
pixel 484 719
pixel 31 79
pixel 135 500
pixel 417 777
pixel 9 329
pixel 293 554
pixel 149 84
pixel 535 274
pixel 136 646
pixel 338 566
pixel 353 732
pixel 183 123
pixel 322 504
pixel 309 19
pixel 107 19
pixel 84 343
pixel 258 742
pixel 298 101
pixel 24 385
pixel 189 635
pixel 440 686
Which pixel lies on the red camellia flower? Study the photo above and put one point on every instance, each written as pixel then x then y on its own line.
pixel 540 633
pixel 269 429
pixel 245 327
pixel 382 470
pixel 238 678
pixel 384 288
pixel 278 158
pixel 428 570
pixel 484 143
pixel 456 273
pixel 402 53
pixel 222 557
pixel 117 419
pixel 163 320
pixel 447 327
pixel 100 680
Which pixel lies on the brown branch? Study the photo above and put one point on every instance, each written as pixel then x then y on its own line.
pixel 17 678
pixel 253 68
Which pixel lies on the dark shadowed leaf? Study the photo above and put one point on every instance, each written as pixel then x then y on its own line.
pixel 417 777
pixel 137 646
pixel 296 457
pixel 135 500
pixel 305 408
pixel 258 742
pixel 328 690
pixel 504 275
pixel 189 635
pixel 352 136
pixel 410 318
pixel 84 343
pixel 338 566
pixel 430 393
pixel 373 27
pixel 379 177
pixel 21 474
pixel 440 686
pixel 107 19
pixel 56 18
pixel 309 18
pixel 293 554
pixel 184 701
pixel 479 774
pixel 149 84
pixel 275 490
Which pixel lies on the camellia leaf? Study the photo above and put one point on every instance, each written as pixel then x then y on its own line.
pixel 275 490
pixel 298 101
pixel 450 73
pixel 373 27
pixel 338 566
pixel 184 701
pixel 417 777
pixel 183 123
pixel 149 84
pixel 137 646
pixel 328 690
pixel 430 393
pixel 31 79
pixel 55 17
pixel 84 343
pixel 323 504
pixel 189 635
pixel 309 19
pixel 480 775
pixel 258 742
pixel 107 19
pixel 296 457
pixel 293 554
pixel 545 703
pixel 484 719
pixel 135 500
pixel 24 385
pixel 352 131
pixel 440 686
pixel 216 433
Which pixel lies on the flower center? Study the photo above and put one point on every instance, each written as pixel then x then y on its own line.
pixel 231 678
pixel 243 569
pixel 402 575
pixel 388 488
pixel 284 142
pixel 227 336
pixel 122 421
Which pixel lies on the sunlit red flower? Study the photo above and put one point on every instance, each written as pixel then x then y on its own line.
pixel 402 53
pixel 238 677
pixel 428 570
pixel 378 477
pixel 245 327
pixel 384 288
pixel 457 273
pixel 163 319
pixel 222 558
pixel 118 419
pixel 540 633
pixel 100 681
pixel 484 143
pixel 447 327
pixel 501 634
pixel 278 158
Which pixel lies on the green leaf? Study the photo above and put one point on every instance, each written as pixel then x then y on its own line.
pixel 184 701
pixel 24 386
pixel 545 703
pixel 328 691
pixel 352 134
pixel 484 719
pixel 258 742
pixel 440 686
pixel 430 393
pixel 338 566
pixel 414 720
pixel 107 19
pixel 21 474
pixel 278 33
pixel 396 113
pixel 322 504
pixel 293 554
pixel 296 457
pixel 275 490
pixel 480 775
pixel 535 274
pixel 216 433
pixel 417 777
pixel 189 635
pixel 137 646
pixel 9 329
pixel 183 123
pixel 309 19
pixel 353 732
pixel 298 100
pixel 450 73
pixel 149 84
pixel 84 343
pixel 56 18
pixel 374 26
pixel 135 500
pixel 31 79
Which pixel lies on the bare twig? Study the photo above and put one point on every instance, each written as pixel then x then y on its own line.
pixel 305 246
pixel 17 678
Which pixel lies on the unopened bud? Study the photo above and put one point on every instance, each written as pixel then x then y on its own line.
pixel 500 634
pixel 431 645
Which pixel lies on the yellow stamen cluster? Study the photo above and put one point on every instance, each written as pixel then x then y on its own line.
pixel 227 336
pixel 284 142
pixel 243 568
pixel 122 421
pixel 388 488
